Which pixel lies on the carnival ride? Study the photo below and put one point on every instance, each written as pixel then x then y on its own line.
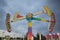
pixel 29 17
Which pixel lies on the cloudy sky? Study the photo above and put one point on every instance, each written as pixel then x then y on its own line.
pixel 25 6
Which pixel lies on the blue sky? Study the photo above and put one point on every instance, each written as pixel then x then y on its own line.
pixel 24 7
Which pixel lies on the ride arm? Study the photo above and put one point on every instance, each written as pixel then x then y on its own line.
pixel 40 19
pixel 18 19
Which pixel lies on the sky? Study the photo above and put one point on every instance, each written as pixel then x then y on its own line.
pixel 24 7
